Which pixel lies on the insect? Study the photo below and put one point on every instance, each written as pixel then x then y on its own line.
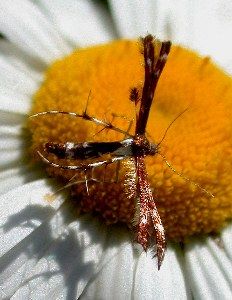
pixel 137 146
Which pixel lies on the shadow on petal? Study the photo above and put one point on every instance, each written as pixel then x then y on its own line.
pixel 60 245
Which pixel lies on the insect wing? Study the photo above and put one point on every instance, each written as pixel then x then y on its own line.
pixel 149 221
pixel 85 150
pixel 153 65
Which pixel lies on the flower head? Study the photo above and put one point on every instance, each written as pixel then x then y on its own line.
pixel 196 144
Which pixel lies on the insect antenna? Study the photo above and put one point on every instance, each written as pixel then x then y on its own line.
pixel 170 166
pixel 169 126
pixel 184 177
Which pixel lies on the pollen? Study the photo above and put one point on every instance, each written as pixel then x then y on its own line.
pixel 198 145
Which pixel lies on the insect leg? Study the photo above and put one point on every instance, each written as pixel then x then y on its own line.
pixel 82 166
pixel 84 116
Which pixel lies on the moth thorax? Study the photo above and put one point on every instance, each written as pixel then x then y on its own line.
pixel 58 149
pixel 143 147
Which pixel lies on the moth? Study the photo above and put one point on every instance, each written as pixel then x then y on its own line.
pixel 137 146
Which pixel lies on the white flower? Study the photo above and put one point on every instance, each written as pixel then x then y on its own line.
pixel 46 252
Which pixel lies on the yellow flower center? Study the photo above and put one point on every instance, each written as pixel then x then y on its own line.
pixel 198 144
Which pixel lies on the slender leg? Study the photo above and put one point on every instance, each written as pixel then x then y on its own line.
pixel 84 116
pixel 82 166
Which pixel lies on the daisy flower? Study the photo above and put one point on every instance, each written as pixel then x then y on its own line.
pixel 48 249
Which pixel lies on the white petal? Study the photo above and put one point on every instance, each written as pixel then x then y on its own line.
pixel 15 167
pixel 10 131
pixel 167 283
pixel 83 22
pixel 23 210
pixel 13 204
pixel 23 24
pixel 32 67
pixel 209 270
pixel 211 28
pixel 67 266
pixel 47 253
pixel 227 240
pixel 114 277
pixel 137 18
pixel 165 19
pixel 126 274
pixel 14 79
pixel 11 140
pixel 17 176
pixel 172 20
pixel 10 159
pixel 11 101
pixel 10 118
